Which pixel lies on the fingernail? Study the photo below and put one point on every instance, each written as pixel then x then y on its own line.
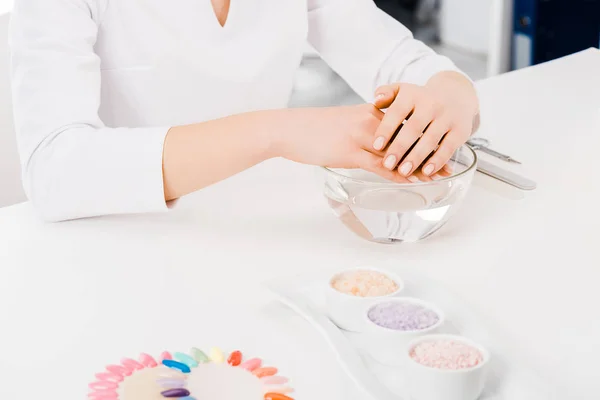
pixel 406 168
pixel 413 179
pixel 378 143
pixel 428 170
pixel 390 162
pixel 379 97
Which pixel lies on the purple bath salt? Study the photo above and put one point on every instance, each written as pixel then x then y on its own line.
pixel 403 316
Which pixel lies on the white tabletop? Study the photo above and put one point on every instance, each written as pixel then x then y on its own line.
pixel 79 295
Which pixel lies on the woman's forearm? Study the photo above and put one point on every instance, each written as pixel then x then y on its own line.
pixel 198 155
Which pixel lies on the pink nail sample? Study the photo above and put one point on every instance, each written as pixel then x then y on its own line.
pixel 251 364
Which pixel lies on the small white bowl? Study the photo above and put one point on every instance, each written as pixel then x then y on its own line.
pixel 346 310
pixel 387 345
pixel 428 383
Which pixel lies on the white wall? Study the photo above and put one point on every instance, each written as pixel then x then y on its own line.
pixel 466 24
pixel 5 6
pixel 11 190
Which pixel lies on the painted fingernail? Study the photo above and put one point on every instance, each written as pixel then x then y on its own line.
pixel 406 168
pixel 378 143
pixel 428 170
pixel 379 97
pixel 390 162
pixel 413 179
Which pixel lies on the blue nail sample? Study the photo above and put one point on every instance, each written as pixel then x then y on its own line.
pixel 177 365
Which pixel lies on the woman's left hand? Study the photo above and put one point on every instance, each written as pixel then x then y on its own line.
pixel 440 117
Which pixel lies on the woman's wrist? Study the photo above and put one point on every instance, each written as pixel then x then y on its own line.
pixel 271 127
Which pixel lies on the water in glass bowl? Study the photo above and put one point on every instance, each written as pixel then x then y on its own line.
pixel 395 213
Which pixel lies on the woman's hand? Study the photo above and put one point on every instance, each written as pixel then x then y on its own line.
pixel 440 118
pixel 337 137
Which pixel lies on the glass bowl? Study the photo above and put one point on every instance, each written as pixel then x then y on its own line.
pixel 382 211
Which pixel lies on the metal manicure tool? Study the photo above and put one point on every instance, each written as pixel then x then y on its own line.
pixel 483 144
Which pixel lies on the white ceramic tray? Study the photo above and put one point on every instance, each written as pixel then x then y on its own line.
pixel 508 378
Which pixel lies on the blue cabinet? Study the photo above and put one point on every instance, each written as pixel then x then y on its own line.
pixel 544 30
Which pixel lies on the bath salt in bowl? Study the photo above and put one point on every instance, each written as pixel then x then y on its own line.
pixel 403 316
pixel 394 322
pixel 445 367
pixel 352 291
pixel 364 283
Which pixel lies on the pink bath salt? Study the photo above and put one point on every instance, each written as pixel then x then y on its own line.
pixel 446 354
pixel 364 283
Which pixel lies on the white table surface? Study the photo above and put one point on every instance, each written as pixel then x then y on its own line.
pixel 79 295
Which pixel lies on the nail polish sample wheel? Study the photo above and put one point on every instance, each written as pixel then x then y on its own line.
pixel 192 376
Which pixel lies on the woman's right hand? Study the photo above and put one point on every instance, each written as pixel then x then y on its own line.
pixel 336 137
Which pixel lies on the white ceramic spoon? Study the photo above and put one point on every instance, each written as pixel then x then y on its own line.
pixel 345 352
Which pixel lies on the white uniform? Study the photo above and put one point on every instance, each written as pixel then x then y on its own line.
pixel 98 83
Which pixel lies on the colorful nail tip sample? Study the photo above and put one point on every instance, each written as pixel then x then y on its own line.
pixel 171 383
pixel 216 355
pixel 235 358
pixel 364 283
pixel 119 370
pixel 264 371
pixel 446 354
pixel 184 358
pixel 175 393
pixel 147 360
pixel 251 364
pixel 108 376
pixel 132 364
pixel 165 355
pixel 199 355
pixel 103 385
pixel 277 396
pixel 274 380
pixel 403 316
pixel 176 365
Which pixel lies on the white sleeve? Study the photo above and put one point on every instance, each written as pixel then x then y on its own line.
pixel 73 165
pixel 368 48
